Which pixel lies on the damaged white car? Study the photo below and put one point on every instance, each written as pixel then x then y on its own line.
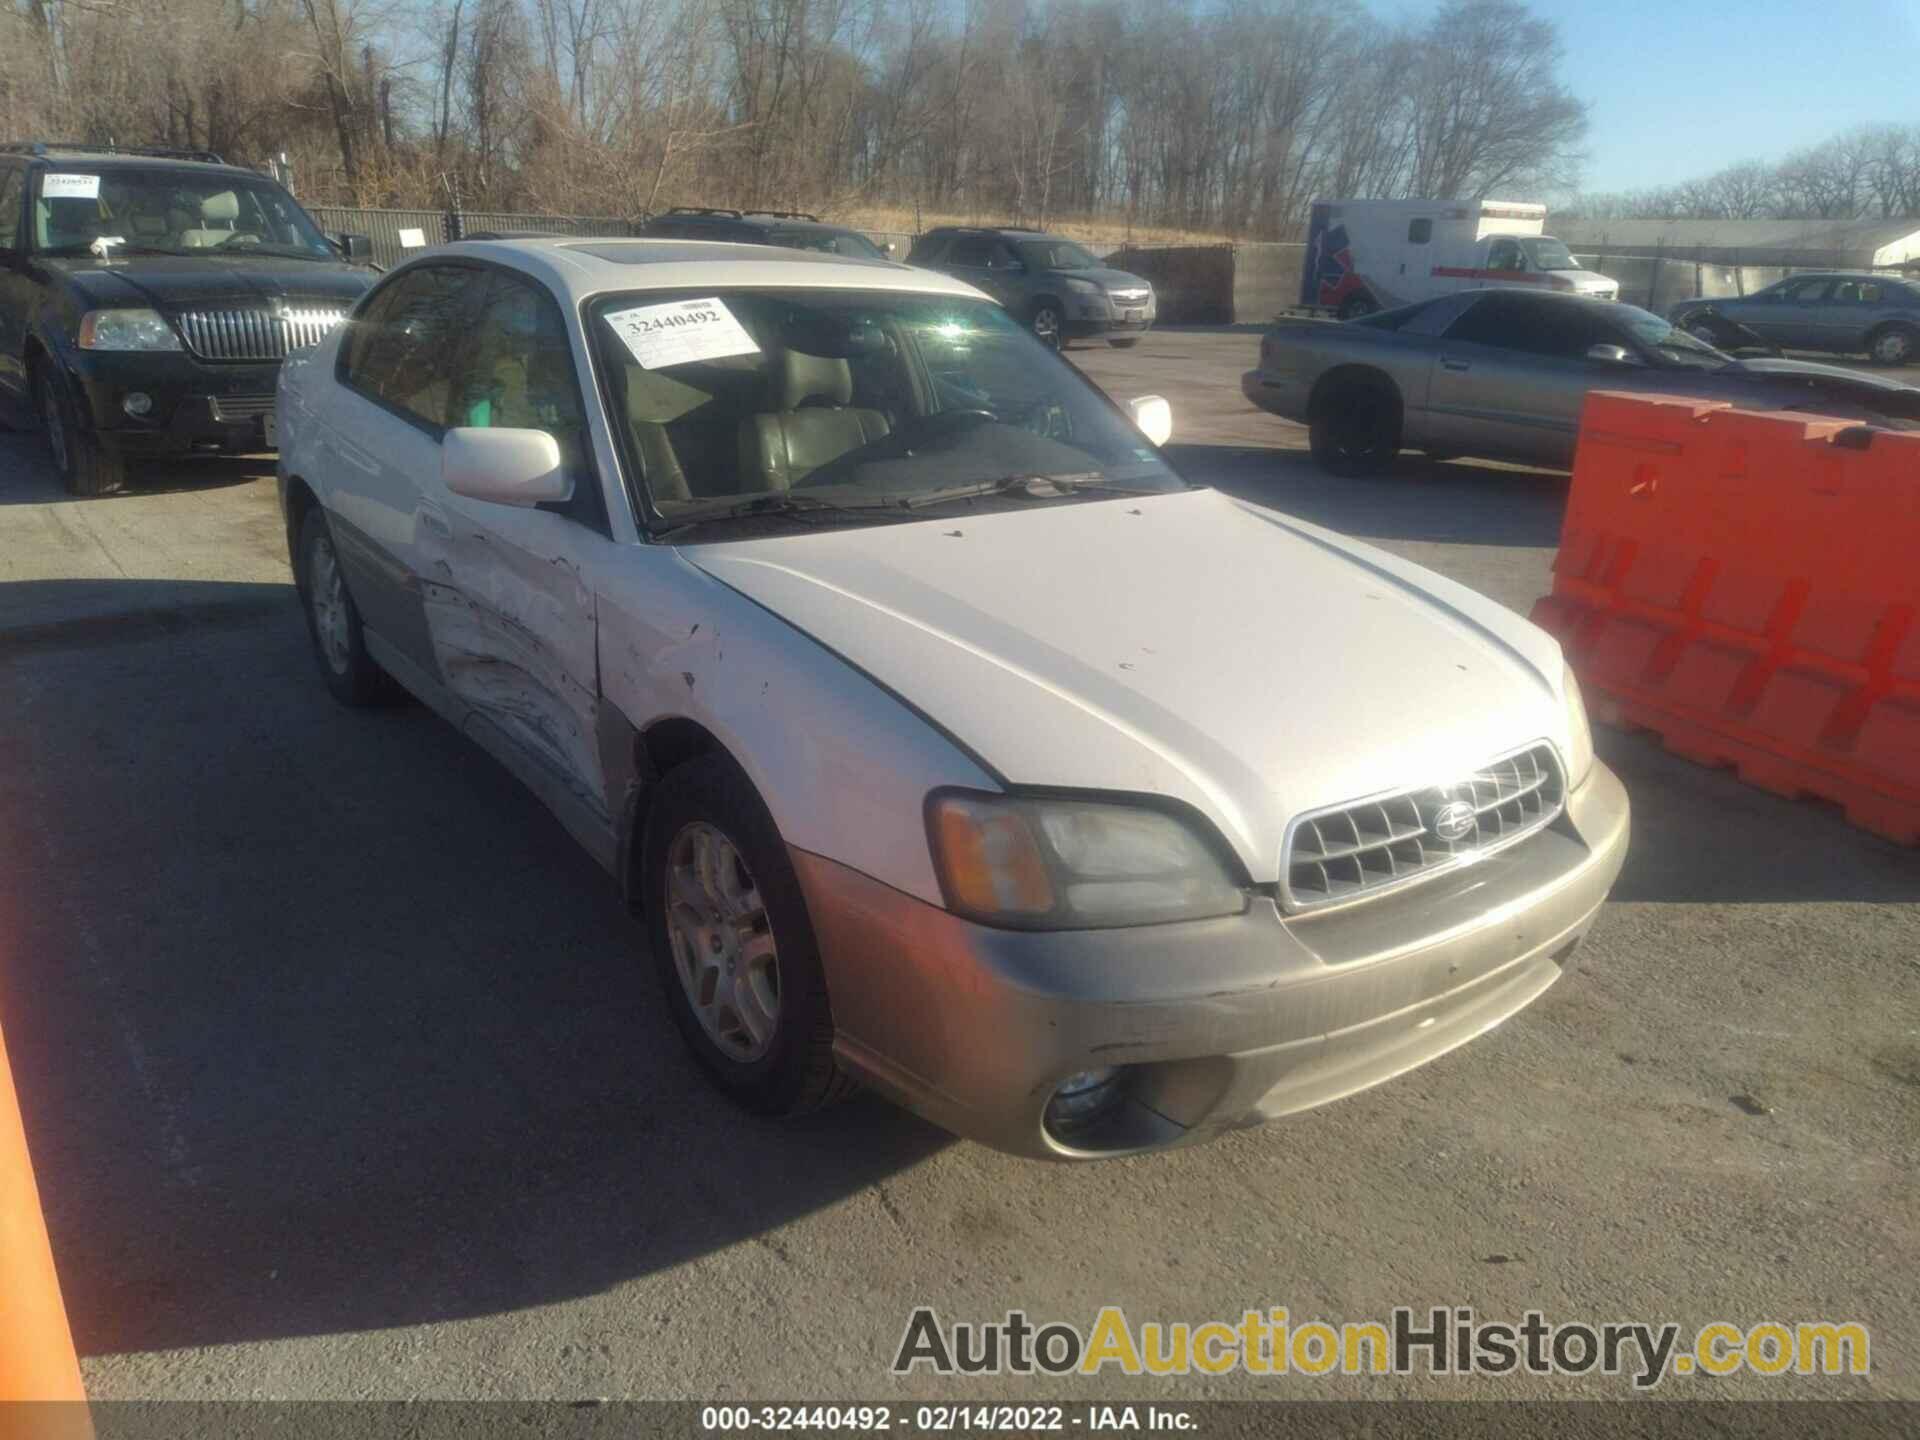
pixel 945 738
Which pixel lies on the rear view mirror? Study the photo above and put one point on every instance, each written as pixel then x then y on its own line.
pixel 1612 354
pixel 1153 417
pixel 505 467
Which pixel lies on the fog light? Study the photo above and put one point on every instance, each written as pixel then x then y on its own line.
pixel 1083 1097
pixel 137 403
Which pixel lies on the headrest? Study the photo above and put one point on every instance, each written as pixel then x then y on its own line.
pixel 815 377
pixel 223 206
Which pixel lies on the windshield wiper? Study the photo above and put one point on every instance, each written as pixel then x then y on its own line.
pixel 1044 487
pixel 786 503
pixel 114 251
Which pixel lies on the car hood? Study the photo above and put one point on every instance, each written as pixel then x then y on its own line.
pixel 1812 369
pixel 171 282
pixel 1181 645
pixel 1111 279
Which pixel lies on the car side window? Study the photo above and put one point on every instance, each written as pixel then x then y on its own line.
pixel 517 372
pixel 1496 318
pixel 1855 292
pixel 1505 255
pixel 406 342
pixel 1419 232
pixel 10 188
pixel 1805 292
pixel 975 250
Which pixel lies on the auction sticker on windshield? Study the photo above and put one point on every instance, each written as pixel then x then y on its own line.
pixel 69 187
pixel 680 331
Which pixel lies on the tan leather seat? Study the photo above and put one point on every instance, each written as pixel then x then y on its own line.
pixel 814 424
pixel 653 402
pixel 218 213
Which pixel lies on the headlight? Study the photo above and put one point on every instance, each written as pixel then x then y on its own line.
pixel 126 330
pixel 1082 287
pixel 1579 732
pixel 1033 864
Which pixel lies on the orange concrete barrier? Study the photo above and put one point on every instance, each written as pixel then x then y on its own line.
pixel 36 1348
pixel 1746 585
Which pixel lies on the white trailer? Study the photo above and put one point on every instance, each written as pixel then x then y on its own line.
pixel 1365 255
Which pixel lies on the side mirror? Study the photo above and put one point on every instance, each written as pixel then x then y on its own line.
pixel 1612 354
pixel 354 247
pixel 1152 416
pixel 506 467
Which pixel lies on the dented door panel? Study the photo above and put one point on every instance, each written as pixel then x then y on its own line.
pixel 512 618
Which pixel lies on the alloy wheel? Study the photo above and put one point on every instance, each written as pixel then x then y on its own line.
pixel 327 595
pixel 722 939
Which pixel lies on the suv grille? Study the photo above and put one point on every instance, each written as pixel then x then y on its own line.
pixel 1132 297
pixel 1371 845
pixel 255 334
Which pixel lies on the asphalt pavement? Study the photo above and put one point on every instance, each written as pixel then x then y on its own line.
pixel 344 1077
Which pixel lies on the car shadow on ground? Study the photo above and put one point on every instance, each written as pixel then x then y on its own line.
pixel 27 476
pixel 321 1023
pixel 1454 502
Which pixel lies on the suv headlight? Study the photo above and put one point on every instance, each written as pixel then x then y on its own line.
pixel 1579 731
pixel 126 330
pixel 1039 864
pixel 1081 287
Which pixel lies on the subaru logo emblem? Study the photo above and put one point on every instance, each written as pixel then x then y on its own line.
pixel 1453 821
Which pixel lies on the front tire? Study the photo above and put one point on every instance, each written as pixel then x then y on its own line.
pixel 352 675
pixel 1355 431
pixel 85 466
pixel 733 943
pixel 1894 345
pixel 1049 324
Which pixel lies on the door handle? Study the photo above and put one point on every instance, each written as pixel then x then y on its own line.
pixel 1449 363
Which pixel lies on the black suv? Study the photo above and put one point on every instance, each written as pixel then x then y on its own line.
pixel 1057 287
pixel 147 298
pixel 788 228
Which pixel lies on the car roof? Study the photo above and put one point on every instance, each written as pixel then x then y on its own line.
pixel 1014 231
pixel 579 268
pixel 56 159
pixel 758 219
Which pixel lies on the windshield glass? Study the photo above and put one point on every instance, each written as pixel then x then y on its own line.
pixel 858 400
pixel 1669 343
pixel 171 209
pixel 1546 253
pixel 831 242
pixel 1051 254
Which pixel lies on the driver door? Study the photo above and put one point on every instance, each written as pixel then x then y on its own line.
pixel 508 589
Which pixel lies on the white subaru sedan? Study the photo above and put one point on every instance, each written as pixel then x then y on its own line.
pixel 944 738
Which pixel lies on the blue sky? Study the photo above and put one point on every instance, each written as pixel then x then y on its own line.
pixel 1680 88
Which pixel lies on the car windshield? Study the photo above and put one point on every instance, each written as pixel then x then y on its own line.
pixel 1051 254
pixel 167 209
pixel 1546 253
pixel 841 402
pixel 831 242
pixel 1668 342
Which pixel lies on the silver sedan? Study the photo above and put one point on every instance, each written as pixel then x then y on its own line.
pixel 1502 374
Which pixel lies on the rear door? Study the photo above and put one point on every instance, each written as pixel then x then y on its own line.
pixel 508 590
pixel 1853 308
pixel 1791 315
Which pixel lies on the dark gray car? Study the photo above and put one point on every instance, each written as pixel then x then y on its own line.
pixel 1846 313
pixel 1503 374
pixel 1059 289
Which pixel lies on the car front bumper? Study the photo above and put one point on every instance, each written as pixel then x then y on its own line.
pixel 1090 317
pixel 1282 395
pixel 1216 1024
pixel 196 408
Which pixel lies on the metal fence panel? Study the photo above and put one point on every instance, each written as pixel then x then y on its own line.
pixel 584 226
pixel 383 227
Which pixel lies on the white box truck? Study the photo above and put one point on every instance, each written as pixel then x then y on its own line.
pixel 1367 255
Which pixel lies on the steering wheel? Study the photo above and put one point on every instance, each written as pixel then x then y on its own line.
pixel 238 237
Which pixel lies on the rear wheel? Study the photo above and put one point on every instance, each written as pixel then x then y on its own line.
pixel 86 467
pixel 333 620
pixel 1355 430
pixel 733 943
pixel 1894 345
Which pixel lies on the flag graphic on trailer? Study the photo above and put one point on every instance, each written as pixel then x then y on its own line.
pixel 1329 277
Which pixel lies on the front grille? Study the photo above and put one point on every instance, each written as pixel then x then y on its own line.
pixel 1131 297
pixel 255 334
pixel 241 407
pixel 1371 845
